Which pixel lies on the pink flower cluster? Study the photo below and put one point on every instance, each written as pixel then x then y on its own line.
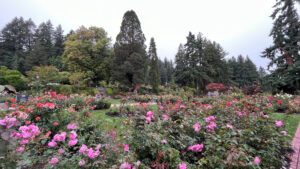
pixel 182 166
pixel 212 124
pixel 72 127
pixel 8 122
pixel 197 147
pixel 126 165
pixel 242 114
pixel 165 117
pixel 49 105
pixel 210 118
pixel 149 115
pixel 27 132
pixel 89 151
pixel 73 139
pixel 197 127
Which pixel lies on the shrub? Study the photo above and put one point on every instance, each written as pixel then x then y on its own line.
pixel 66 89
pixel 109 91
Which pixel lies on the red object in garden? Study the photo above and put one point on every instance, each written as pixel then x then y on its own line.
pixel 37 118
pixel 55 123
pixel 13 100
pixel 215 87
pixel 279 102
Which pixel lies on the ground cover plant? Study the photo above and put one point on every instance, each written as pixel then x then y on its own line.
pixel 53 130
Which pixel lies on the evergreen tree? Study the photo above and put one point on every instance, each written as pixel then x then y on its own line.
pixel 43 49
pixel 130 63
pixel 15 43
pixel 284 53
pixel 56 59
pixel 181 67
pixel 154 69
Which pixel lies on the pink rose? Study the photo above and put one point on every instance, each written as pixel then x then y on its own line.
pixel 126 147
pixel 73 142
pixel 256 160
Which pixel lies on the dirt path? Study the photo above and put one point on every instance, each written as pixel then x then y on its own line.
pixel 295 163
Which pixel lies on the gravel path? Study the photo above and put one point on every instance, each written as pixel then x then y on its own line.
pixel 295 163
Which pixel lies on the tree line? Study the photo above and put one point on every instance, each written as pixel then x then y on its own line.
pixel 89 57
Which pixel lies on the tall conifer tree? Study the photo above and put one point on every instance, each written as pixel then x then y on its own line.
pixel 130 62
pixel 154 69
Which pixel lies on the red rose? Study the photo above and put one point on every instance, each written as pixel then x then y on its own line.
pixel 37 118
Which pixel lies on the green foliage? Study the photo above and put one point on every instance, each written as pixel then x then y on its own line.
pixel 12 77
pixel 284 53
pixel 66 89
pixel 41 76
pixel 130 62
pixel 89 51
pixel 244 71
pixel 200 62
pixel 109 91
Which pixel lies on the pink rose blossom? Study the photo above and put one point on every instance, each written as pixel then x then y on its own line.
pixel 73 142
pixel 161 107
pixel 73 135
pixel 197 127
pixel 71 127
pixel 98 147
pixel 278 123
pixel 182 106
pixel 126 165
pixel 256 160
pixel 279 102
pixel 229 126
pixel 284 133
pixel 126 147
pixel 210 118
pixel 228 104
pixel 269 105
pixel 197 147
pixel 164 141
pixel 54 161
pixel 165 117
pixel 148 119
pixel 182 166
pixel 20 149
pixel 82 148
pixel 52 144
pixel 81 163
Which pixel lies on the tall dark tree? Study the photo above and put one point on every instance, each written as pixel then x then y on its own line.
pixel 43 49
pixel 181 67
pixel 130 52
pixel 15 43
pixel 154 69
pixel 58 48
pixel 284 53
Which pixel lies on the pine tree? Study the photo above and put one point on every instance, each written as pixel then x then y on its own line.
pixel 154 69
pixel 181 67
pixel 15 43
pixel 284 53
pixel 130 55
pixel 43 49
pixel 58 48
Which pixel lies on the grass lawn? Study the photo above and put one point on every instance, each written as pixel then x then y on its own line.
pixel 291 121
pixel 113 122
pixel 114 101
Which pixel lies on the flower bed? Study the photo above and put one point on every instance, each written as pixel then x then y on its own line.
pixel 55 131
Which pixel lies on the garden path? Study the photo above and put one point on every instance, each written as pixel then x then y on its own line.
pixel 295 163
pixel 131 104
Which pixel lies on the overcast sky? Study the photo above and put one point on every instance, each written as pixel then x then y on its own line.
pixel 240 26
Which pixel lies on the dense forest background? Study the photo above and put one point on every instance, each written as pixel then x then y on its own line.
pixel 86 57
